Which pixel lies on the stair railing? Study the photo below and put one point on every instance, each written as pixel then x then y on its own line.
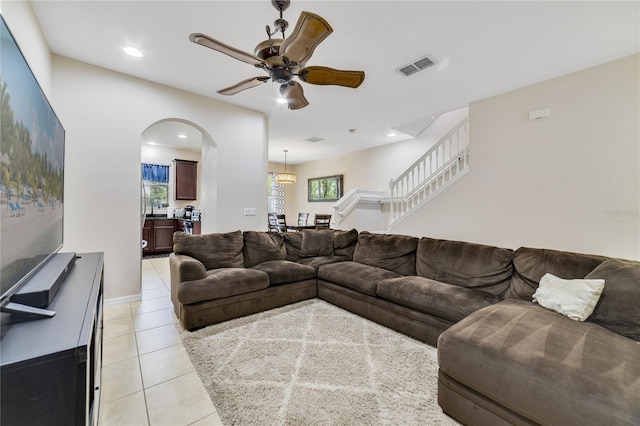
pixel 352 199
pixel 430 173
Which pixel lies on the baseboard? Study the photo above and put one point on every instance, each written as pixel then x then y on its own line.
pixel 124 299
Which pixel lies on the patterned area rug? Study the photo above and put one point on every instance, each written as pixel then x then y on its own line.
pixel 313 363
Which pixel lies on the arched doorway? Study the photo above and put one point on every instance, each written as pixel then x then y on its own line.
pixel 162 143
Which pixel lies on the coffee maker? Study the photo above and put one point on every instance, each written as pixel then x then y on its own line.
pixel 188 210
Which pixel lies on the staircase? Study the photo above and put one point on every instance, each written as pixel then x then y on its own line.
pixel 438 168
pixel 353 199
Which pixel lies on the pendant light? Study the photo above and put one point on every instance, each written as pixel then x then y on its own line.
pixel 285 177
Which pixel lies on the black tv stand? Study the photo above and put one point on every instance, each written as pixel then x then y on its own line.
pixel 51 370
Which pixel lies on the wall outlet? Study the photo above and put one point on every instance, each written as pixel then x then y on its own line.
pixel 250 211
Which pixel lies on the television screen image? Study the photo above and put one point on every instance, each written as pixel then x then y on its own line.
pixel 31 171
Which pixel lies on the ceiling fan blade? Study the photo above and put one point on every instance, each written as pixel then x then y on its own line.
pixel 308 33
pixel 326 76
pixel 206 41
pixel 294 95
pixel 244 85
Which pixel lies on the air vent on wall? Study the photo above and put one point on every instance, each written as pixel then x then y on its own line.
pixel 314 139
pixel 414 67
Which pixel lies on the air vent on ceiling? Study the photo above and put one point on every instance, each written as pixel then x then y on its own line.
pixel 314 139
pixel 414 67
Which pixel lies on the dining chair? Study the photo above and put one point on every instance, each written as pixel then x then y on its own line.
pixel 274 223
pixel 302 219
pixel 282 222
pixel 322 221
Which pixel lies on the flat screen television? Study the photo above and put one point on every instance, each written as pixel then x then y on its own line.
pixel 32 143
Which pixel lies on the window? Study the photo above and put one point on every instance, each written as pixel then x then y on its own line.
pixel 155 185
pixel 275 195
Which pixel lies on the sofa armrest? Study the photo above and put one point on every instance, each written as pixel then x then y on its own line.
pixel 183 268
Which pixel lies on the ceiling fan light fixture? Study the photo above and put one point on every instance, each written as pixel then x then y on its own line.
pixel 285 177
pixel 281 100
pixel 283 59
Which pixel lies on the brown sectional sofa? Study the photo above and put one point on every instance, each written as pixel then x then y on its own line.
pixel 516 362
pixel 503 359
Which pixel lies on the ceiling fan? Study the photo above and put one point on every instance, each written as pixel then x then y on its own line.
pixel 284 58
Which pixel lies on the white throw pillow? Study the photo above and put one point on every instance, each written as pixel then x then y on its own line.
pixel 575 299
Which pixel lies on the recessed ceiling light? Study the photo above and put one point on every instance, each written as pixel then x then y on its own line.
pixel 132 51
pixel 392 134
pixel 182 136
pixel 281 100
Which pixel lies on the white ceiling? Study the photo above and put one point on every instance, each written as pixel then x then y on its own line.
pixel 480 48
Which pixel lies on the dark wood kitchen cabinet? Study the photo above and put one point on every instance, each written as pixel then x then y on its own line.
pixel 163 230
pixel 159 235
pixel 186 179
pixel 147 235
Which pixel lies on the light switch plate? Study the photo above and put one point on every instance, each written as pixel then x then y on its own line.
pixel 250 211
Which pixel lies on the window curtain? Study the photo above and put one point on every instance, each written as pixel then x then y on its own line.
pixel 155 173
pixel 275 196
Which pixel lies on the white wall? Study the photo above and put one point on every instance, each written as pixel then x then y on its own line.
pixel 568 182
pixel 105 114
pixel 165 156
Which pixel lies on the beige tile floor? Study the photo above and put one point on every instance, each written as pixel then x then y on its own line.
pixel 147 376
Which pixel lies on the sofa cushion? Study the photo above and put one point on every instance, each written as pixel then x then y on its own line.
pixel 531 264
pixel 293 245
pixel 356 276
pixel 544 366
pixel 344 242
pixel 317 242
pixel 285 271
pixel 619 305
pixel 478 266
pixel 213 250
pixel 446 301
pixel 262 246
pixel 221 283
pixel 317 261
pixel 396 253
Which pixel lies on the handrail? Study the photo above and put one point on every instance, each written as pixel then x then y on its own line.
pixel 435 174
pixel 461 124
pixel 351 199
